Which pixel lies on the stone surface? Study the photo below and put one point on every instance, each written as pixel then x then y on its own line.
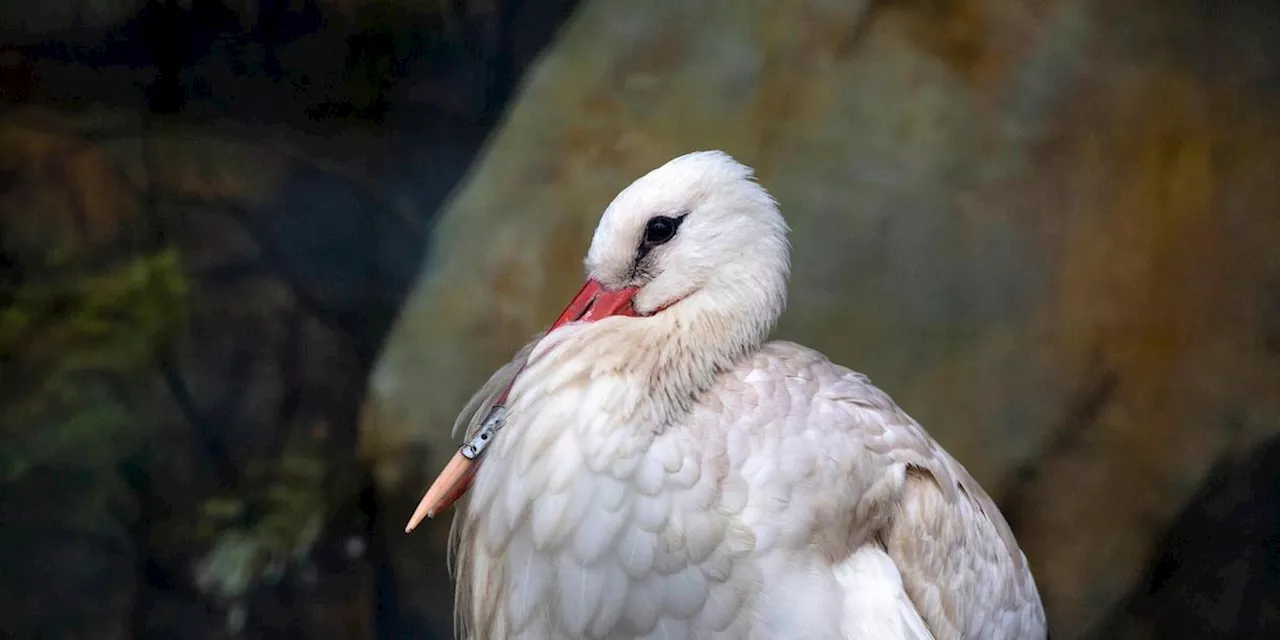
pixel 1048 229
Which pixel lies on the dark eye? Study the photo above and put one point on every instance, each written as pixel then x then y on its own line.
pixel 660 229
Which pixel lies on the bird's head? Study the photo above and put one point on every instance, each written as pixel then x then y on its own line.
pixel 696 237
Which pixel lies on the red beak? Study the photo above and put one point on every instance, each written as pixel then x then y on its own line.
pixel 592 303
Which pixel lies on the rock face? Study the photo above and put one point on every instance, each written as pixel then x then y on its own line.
pixel 1048 229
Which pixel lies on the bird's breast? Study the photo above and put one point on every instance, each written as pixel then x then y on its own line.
pixel 586 523
pixel 588 520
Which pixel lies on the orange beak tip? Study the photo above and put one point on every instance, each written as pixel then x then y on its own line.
pixel 452 482
pixel 421 512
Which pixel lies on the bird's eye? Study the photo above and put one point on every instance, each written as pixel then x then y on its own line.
pixel 660 229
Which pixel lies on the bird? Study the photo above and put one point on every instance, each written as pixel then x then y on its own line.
pixel 654 466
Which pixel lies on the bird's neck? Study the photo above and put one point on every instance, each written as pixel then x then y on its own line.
pixel 666 362
pixel 686 348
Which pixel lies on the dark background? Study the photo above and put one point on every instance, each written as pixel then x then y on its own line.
pixel 212 214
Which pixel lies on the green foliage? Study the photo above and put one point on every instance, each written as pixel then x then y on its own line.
pixel 72 341
pixel 287 494
pixel 291 504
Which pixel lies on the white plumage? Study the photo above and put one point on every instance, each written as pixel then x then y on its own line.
pixel 663 472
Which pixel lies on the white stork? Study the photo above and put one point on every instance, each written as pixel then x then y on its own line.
pixel 653 468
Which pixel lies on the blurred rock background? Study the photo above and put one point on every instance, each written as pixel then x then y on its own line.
pixel 255 255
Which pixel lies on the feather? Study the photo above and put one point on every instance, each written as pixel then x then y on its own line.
pixel 580 587
pixel 613 599
pixel 685 592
